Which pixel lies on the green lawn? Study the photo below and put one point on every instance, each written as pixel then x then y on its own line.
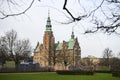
pixel 54 76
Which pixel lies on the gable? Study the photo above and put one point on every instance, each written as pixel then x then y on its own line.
pixel 58 46
pixel 70 45
pixel 37 48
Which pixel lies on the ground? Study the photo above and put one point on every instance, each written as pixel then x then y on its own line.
pixel 54 76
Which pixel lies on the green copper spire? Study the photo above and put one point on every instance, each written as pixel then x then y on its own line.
pixel 72 35
pixel 48 25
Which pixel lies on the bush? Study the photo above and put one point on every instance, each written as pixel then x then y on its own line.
pixel 12 70
pixel 103 71
pixel 116 74
pixel 66 72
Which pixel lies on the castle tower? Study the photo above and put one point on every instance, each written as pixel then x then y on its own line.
pixel 57 55
pixel 48 42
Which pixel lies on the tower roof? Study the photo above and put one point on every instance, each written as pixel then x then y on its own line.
pixel 72 35
pixel 48 24
pixel 37 48
pixel 70 44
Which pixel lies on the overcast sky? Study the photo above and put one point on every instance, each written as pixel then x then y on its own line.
pixel 32 26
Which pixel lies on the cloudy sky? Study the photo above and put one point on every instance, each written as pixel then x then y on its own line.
pixel 32 26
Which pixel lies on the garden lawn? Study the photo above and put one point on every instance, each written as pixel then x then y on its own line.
pixel 54 76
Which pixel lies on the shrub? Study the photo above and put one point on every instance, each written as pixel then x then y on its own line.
pixel 103 71
pixel 116 74
pixel 67 72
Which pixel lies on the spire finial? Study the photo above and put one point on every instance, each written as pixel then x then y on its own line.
pixel 73 29
pixel 72 35
pixel 48 25
pixel 48 13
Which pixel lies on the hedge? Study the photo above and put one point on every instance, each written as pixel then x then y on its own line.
pixel 103 71
pixel 116 74
pixel 67 72
pixel 13 70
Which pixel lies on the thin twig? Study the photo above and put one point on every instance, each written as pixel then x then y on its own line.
pixel 8 15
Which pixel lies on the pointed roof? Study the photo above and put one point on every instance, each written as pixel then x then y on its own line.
pixel 70 44
pixel 48 24
pixel 72 35
pixel 37 48
pixel 58 46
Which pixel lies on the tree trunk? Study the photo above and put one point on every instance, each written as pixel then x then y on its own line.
pixel 17 64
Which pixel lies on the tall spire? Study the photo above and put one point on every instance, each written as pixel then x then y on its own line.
pixel 48 25
pixel 72 35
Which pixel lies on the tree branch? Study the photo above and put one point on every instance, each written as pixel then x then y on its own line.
pixel 106 29
pixel 74 19
pixel 8 15
pixel 96 8
pixel 113 1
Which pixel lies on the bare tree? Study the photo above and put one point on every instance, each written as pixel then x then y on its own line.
pixel 22 51
pixel 17 49
pixel 107 55
pixel 3 51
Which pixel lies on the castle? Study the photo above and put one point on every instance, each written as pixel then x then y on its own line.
pixel 67 53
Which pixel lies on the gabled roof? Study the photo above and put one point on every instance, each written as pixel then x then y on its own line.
pixel 58 46
pixel 71 42
pixel 70 45
pixel 37 48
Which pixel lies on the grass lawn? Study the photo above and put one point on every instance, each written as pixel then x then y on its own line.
pixel 54 76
